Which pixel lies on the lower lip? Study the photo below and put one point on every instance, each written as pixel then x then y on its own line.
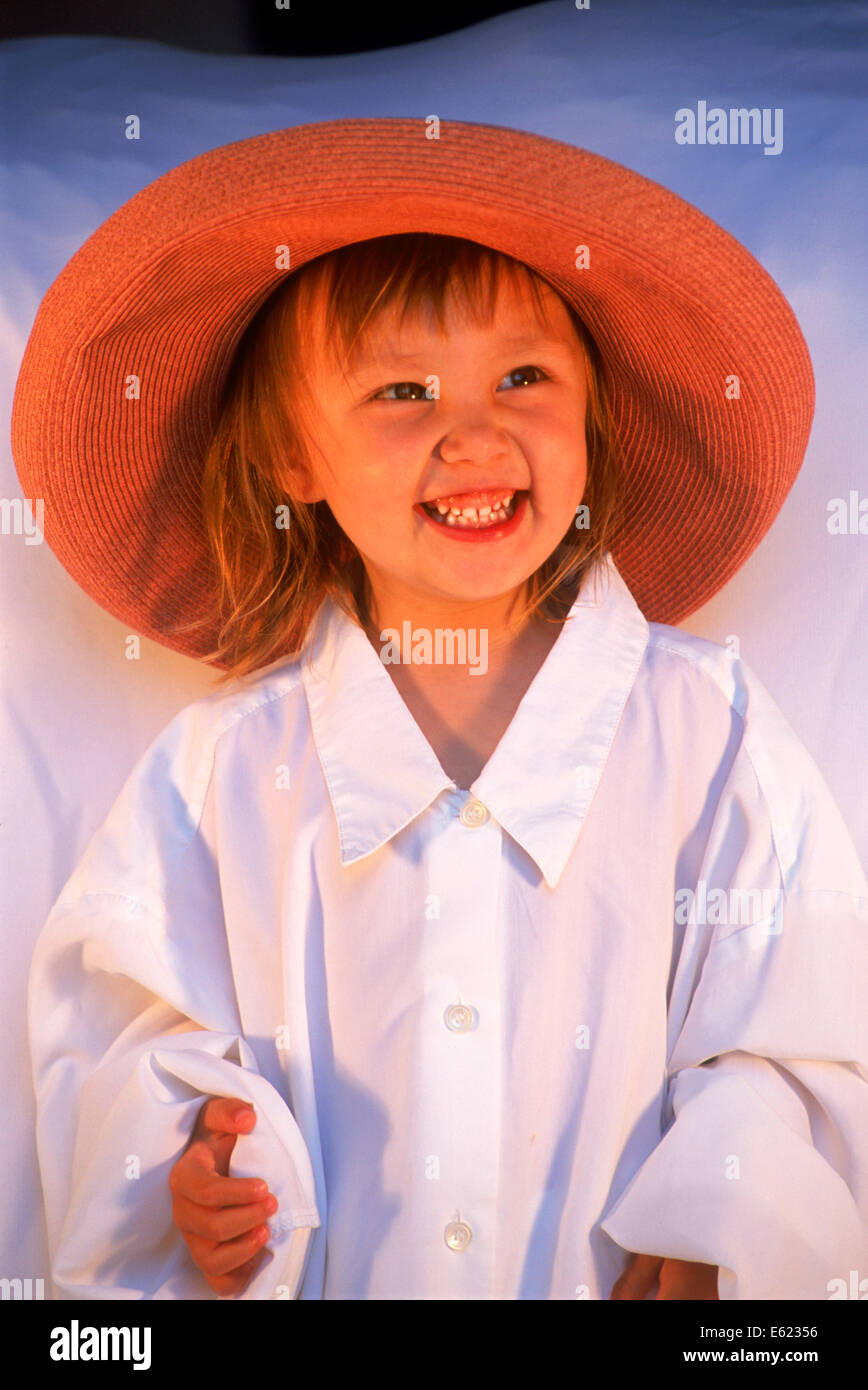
pixel 484 533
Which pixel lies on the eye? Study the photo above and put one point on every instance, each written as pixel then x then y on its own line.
pixel 402 387
pixel 415 391
pixel 524 371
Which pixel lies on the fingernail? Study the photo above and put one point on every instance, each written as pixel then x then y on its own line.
pixel 242 1113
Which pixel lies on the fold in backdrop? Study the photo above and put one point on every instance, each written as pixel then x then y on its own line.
pixel 76 714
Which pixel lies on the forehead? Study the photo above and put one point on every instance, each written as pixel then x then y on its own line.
pixel 506 304
pixel 517 315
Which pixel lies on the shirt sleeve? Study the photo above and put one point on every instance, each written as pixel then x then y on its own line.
pixel 762 1168
pixel 132 1021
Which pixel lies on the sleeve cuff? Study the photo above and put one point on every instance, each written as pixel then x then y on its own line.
pixel 736 1182
pixel 121 1187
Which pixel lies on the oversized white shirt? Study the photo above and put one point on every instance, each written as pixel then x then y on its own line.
pixel 611 999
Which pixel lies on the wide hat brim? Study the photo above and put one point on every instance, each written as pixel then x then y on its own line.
pixel 164 289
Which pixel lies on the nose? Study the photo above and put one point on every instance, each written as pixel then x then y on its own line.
pixel 475 441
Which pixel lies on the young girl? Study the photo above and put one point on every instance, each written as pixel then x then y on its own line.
pixel 482 938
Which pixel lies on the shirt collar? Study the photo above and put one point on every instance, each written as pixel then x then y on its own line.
pixel 381 772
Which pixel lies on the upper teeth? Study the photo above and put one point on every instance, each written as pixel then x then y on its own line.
pixel 500 500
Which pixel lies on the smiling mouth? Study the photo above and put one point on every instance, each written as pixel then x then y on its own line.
pixel 477 510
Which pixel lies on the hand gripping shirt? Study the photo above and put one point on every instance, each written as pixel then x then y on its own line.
pixel 610 999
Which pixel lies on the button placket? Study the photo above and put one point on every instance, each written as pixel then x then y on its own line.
pixel 459 1082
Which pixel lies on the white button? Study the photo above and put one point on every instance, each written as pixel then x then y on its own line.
pixel 458 1235
pixel 473 813
pixel 459 1017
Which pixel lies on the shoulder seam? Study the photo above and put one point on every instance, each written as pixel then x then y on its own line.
pixel 199 791
pixel 736 698
pixel 230 720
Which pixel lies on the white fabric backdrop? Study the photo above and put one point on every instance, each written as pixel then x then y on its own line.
pixel 77 714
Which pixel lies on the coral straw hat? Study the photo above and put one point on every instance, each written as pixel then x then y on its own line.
pixel 708 374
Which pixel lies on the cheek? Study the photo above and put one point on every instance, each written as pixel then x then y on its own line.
pixel 564 453
pixel 374 458
pixel 382 478
pixel 370 523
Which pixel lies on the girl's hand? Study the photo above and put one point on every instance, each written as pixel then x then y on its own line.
pixel 678 1279
pixel 221 1218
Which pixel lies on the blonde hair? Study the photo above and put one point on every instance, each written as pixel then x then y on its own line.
pixel 272 580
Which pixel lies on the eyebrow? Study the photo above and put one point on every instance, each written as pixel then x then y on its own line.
pixel 363 358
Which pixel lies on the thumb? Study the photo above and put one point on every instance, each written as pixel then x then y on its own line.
pixel 638 1278
pixel 218 1125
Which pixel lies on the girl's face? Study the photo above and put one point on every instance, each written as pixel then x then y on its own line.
pixel 505 414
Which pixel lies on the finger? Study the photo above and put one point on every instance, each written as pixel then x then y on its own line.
pixel 216 1258
pixel 227 1285
pixel 221 1223
pixel 211 1137
pixel 213 1152
pixel 194 1177
pixel 224 1115
pixel 638 1278
pixel 687 1280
